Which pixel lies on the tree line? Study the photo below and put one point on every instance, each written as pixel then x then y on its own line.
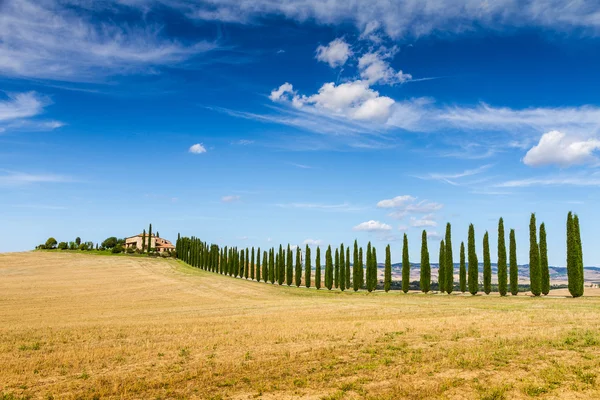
pixel 361 270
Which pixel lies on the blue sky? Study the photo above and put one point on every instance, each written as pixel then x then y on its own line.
pixel 254 123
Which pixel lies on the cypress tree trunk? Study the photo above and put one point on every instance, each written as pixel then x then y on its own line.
pixel 348 268
pixel 336 277
pixel 448 261
pixel 502 283
pixel 374 273
pixel 487 265
pixel 299 266
pixel 318 269
pixel 473 263
pixel 308 270
pixel 258 271
pixel 290 266
pixel 387 280
pixel 442 268
pixel 462 273
pixel 545 272
pixel 405 265
pixel 425 281
pixel 514 268
pixel 328 269
pixel 342 269
pixel 535 277
pixel 355 278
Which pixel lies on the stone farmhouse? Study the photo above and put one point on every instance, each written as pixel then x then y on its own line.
pixel 161 245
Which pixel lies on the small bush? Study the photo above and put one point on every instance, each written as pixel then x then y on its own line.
pixel 130 250
pixel 117 249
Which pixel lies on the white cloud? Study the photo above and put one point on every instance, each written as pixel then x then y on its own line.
pixel 556 147
pixel 197 148
pixel 22 105
pixel 433 235
pixel 398 201
pixel 243 142
pixel 372 226
pixel 230 199
pixel 426 220
pixel 313 242
pixel 375 69
pixel 335 54
pixel 452 178
pixel 68 41
pixel 16 178
pixel 402 228
pixel 560 180
pixel 281 92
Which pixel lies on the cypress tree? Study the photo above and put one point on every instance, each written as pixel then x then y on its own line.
pixel 150 238
pixel 281 266
pixel 242 263
pixel 144 241
pixel 252 265
pixel 448 261
pixel 502 275
pixel 462 272
pixel 545 272
pixel 442 268
pixel 425 281
pixel 342 269
pixel 374 274
pixel 318 269
pixel 369 268
pixel 574 257
pixel 265 266
pixel 361 272
pixel 290 266
pixel 299 266
pixel 348 267
pixel 535 277
pixel 580 270
pixel 487 265
pixel 258 265
pixel 387 276
pixel 570 254
pixel 247 268
pixel 328 269
pixel 336 277
pixel 405 266
pixel 272 265
pixel 473 268
pixel 514 268
pixel 308 271
pixel 355 263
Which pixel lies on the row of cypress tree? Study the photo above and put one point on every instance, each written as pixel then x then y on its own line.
pixel 278 266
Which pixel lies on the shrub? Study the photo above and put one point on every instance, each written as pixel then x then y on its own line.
pixel 63 246
pixel 130 250
pixel 117 249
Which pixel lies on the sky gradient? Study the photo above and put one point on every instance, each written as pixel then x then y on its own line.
pixel 254 122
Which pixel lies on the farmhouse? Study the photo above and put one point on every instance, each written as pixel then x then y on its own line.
pixel 159 244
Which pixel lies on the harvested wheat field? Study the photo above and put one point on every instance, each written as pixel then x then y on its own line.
pixel 83 326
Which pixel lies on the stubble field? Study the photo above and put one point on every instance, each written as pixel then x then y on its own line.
pixel 83 326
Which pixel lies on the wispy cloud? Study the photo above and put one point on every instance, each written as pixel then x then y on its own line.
pixel 302 166
pixel 452 178
pixel 407 204
pixel 243 142
pixel 313 242
pixel 372 226
pixel 551 181
pixel 230 199
pixel 15 178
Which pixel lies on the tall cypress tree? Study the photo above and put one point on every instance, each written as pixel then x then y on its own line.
pixel 289 266
pixel 348 268
pixel 242 263
pixel 355 279
pixel 535 275
pixel 308 270
pixel 144 241
pixel 387 275
pixel 574 257
pixel 361 271
pixel 281 279
pixel 502 273
pixel 265 266
pixel 545 271
pixel 150 238
pixel 318 269
pixel 462 272
pixel 374 274
pixel 570 254
pixel 252 265
pixel 336 277
pixel 473 268
pixel 342 269
pixel 299 266
pixel 405 266
pixel 369 268
pixel 247 268
pixel 258 271
pixel 442 268
pixel 514 268
pixel 272 266
pixel 448 261
pixel 328 269
pixel 487 265
pixel 580 270
pixel 425 281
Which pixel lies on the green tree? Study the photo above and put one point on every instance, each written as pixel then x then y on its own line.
pixel 355 273
pixel 579 248
pixel 272 266
pixel 545 271
pixel 535 275
pixel 348 267
pixel 487 265
pixel 442 268
pixel 318 269
pixel 247 266
pixel 299 266
pixel 149 239
pixel 342 269
pixel 78 241
pixel 63 246
pixel 374 275
pixel 265 266
pixel 51 243
pixel 473 267
pixel 387 275
pixel 502 275
pixel 574 257
pixel 336 276
pixel 252 265
pixel 289 266
pixel 307 278
pixel 448 261
pixel 328 269
pixel 143 241
pixel 110 242
pixel 514 268
pixel 258 266
pixel 361 272
pixel 462 272
pixel 405 266
pixel 369 262
pixel 425 273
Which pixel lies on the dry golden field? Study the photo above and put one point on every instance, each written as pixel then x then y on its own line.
pixel 83 326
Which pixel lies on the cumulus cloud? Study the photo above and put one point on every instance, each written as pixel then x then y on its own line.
pixel 372 226
pixel 230 199
pixel 426 220
pixel 197 148
pixel 313 242
pixel 281 92
pixel 396 202
pixel 406 204
pixel 374 68
pixel 557 148
pixel 336 53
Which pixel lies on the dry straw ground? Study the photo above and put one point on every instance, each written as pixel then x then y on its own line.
pixel 82 326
